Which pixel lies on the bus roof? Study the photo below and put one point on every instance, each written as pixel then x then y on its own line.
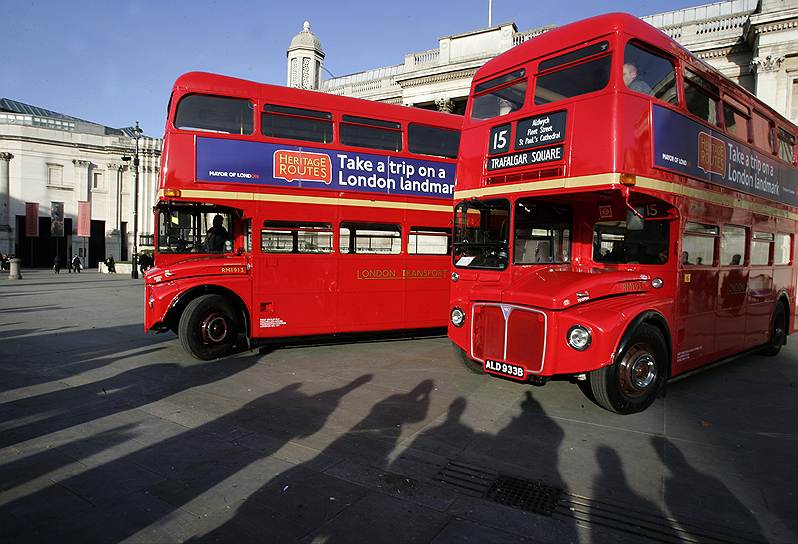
pixel 588 29
pixel 231 86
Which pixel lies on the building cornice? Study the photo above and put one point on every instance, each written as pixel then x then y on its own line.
pixel 439 78
pixel 87 147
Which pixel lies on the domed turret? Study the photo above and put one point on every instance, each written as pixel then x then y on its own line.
pixel 305 58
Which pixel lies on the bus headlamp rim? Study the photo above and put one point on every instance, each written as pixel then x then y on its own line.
pixel 457 317
pixel 579 337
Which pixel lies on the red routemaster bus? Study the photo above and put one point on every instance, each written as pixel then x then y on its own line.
pixel 624 214
pixel 290 213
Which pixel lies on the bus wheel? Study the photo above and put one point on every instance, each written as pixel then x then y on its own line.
pixel 208 327
pixel 632 382
pixel 468 362
pixel 778 332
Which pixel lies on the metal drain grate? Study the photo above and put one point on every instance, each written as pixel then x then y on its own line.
pixel 532 496
pixel 468 479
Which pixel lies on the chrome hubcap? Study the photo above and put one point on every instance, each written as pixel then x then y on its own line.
pixel 214 328
pixel 638 371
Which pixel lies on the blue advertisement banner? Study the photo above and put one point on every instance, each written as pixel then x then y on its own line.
pixel 690 148
pixel 258 163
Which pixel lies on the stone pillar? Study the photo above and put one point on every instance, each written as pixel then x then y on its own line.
pixel 446 105
pixel 770 81
pixel 13 269
pixel 82 181
pixel 5 202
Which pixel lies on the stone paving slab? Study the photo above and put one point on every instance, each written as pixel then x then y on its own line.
pixel 109 435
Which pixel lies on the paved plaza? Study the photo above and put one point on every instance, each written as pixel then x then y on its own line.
pixel 109 435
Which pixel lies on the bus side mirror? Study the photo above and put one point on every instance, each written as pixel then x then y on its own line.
pixel 635 221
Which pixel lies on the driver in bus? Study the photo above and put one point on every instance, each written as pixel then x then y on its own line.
pixel 216 236
pixel 631 81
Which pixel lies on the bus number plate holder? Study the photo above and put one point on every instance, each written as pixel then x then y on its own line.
pixel 505 369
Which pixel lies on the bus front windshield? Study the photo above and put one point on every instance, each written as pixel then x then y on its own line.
pixel 481 234
pixel 195 228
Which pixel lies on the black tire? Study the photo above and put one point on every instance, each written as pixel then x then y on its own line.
pixel 468 362
pixel 208 327
pixel 632 382
pixel 778 332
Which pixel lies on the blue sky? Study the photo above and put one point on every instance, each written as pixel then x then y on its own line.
pixel 114 62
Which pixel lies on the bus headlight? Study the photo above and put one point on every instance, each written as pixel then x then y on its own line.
pixel 579 337
pixel 458 317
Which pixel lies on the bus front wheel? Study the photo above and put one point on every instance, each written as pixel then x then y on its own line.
pixel 208 327
pixel 633 381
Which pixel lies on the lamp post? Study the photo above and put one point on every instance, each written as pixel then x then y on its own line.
pixel 134 271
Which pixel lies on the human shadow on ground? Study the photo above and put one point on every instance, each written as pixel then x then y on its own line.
pixel 301 500
pixel 175 471
pixel 690 493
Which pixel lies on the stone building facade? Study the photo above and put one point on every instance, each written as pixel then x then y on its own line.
pixel 753 42
pixel 48 157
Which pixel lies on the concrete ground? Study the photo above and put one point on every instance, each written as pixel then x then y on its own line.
pixel 108 434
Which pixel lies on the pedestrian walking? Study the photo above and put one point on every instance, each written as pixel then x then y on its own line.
pixel 76 264
pixel 57 264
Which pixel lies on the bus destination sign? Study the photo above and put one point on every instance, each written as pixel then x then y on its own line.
pixel 688 147
pixel 545 129
pixel 260 163
pixel 526 158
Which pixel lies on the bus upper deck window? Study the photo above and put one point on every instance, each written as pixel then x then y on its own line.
pixel 214 114
pixel 786 146
pixel 701 97
pixel 647 73
pixel 371 133
pixel 296 123
pixel 499 96
pixel 574 80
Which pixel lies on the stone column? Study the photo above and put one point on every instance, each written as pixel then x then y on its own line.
pixel 770 80
pixel 5 202
pixel 445 105
pixel 82 181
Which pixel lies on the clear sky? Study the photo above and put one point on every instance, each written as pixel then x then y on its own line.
pixel 114 61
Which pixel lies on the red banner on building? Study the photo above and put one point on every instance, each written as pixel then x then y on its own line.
pixel 84 218
pixel 32 219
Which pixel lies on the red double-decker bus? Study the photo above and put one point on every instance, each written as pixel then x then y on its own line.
pixel 624 214
pixel 290 213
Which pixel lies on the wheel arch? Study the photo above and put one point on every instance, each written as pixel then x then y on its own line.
pixel 784 298
pixel 177 307
pixel 656 319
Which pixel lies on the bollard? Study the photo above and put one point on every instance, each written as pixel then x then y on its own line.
pixel 13 270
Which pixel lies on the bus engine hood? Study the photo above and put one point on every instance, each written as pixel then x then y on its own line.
pixel 557 289
pixel 199 266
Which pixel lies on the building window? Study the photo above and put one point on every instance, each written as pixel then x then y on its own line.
pixel 97 181
pixel 55 175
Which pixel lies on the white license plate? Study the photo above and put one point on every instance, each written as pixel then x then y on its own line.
pixel 505 369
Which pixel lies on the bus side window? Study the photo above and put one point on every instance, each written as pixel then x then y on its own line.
pixel 371 133
pixel 735 118
pixel 732 246
pixel 782 248
pixel 698 244
pixel 439 142
pixel 214 114
pixel 429 241
pixel 370 238
pixel 650 74
pixel 292 237
pixel 761 245
pixel 701 97
pixel 762 133
pixel 786 146
pixel 296 123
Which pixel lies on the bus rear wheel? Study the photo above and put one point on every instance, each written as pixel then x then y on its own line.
pixel 633 381
pixel 468 362
pixel 778 332
pixel 208 328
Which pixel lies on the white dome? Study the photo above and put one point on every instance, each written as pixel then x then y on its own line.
pixel 306 40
